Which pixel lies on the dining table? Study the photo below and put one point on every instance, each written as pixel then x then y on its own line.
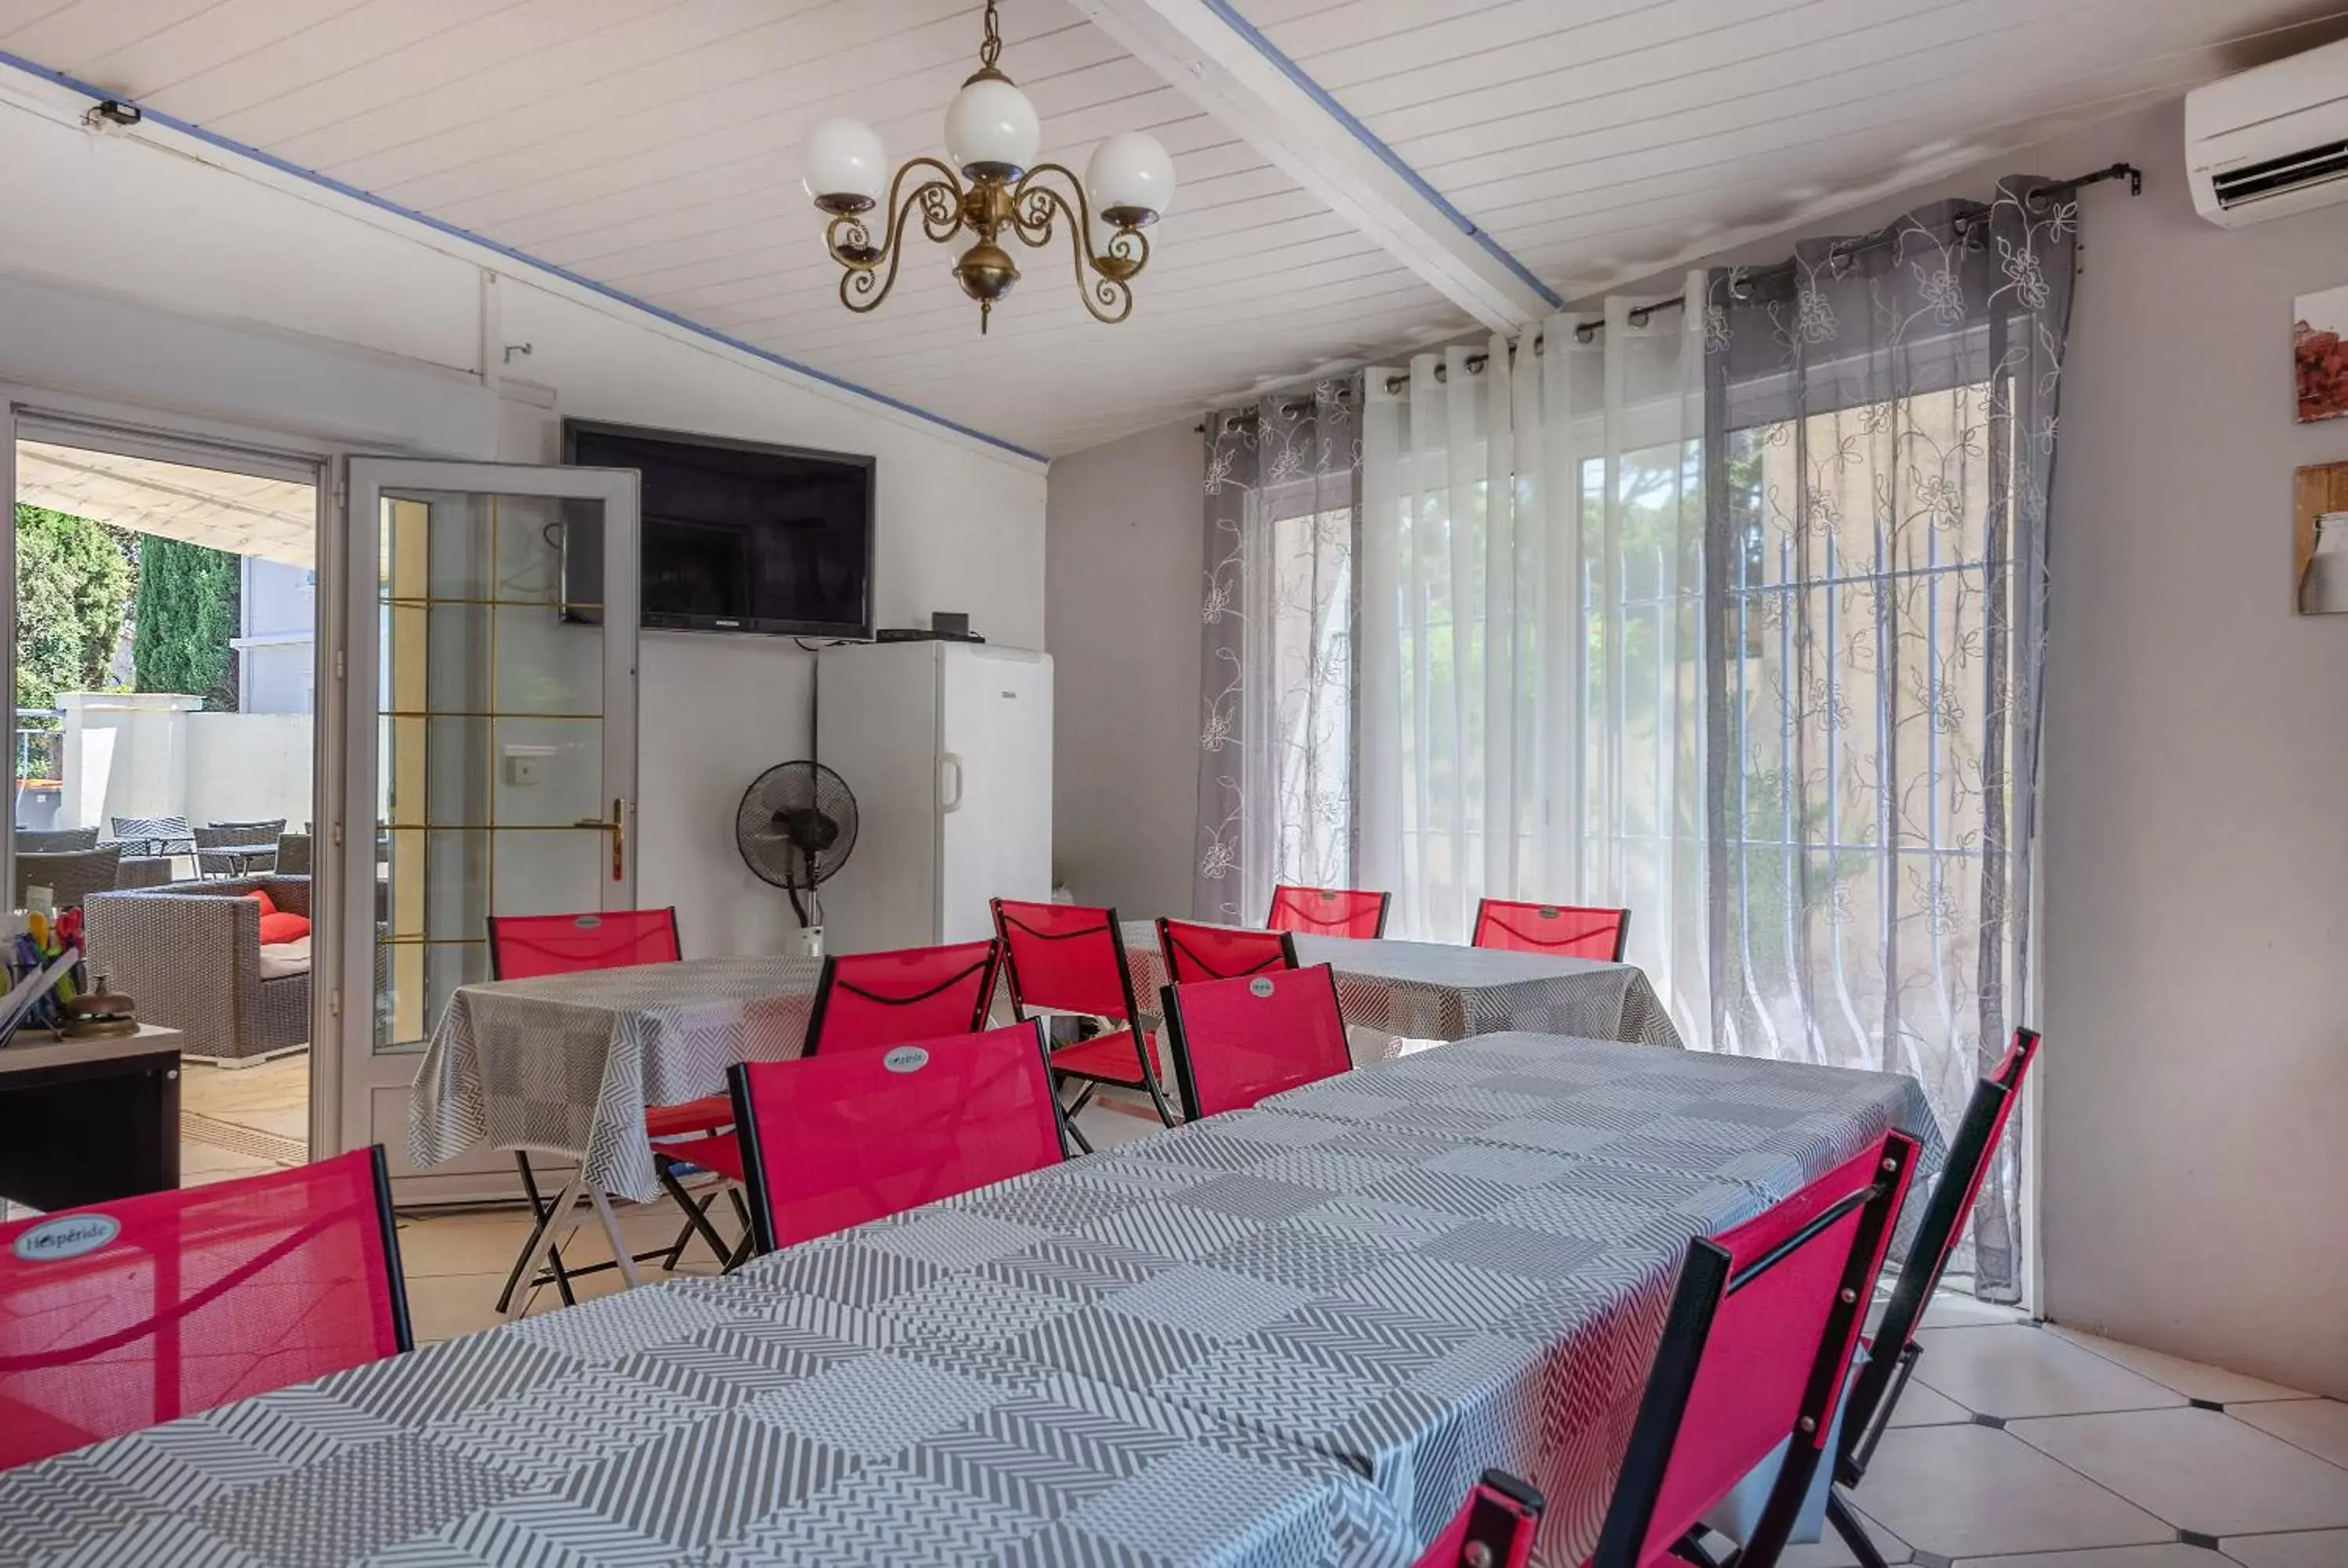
pixel 567 1064
pixel 1289 1335
pixel 1398 993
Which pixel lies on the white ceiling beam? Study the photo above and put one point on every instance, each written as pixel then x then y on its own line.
pixel 1210 54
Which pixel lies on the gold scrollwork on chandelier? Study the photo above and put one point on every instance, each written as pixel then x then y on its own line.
pixel 989 185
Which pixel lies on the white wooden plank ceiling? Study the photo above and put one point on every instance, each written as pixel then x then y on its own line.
pixel 653 146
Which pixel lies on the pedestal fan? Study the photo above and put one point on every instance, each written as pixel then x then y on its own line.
pixel 796 825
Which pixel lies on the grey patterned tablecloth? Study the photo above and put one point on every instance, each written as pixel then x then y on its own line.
pixel 1436 990
pixel 1288 1336
pixel 568 1063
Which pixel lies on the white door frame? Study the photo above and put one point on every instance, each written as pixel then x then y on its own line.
pixel 151 432
pixel 360 1071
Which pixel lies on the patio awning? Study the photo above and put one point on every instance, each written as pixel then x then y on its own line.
pixel 275 519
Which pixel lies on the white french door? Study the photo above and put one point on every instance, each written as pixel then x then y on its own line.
pixel 488 765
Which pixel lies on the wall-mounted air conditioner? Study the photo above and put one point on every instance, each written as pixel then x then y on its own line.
pixel 2271 141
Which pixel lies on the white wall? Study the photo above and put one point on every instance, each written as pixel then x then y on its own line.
pixel 248 767
pixel 277 646
pixel 1124 556
pixel 144 277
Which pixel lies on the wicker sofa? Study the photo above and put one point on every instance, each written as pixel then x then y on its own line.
pixel 188 955
pixel 71 875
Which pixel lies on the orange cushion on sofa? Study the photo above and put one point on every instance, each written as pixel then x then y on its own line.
pixel 276 928
pixel 268 905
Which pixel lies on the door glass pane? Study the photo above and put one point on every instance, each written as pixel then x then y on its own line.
pixel 490 794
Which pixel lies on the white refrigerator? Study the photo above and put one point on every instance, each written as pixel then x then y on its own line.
pixel 947 749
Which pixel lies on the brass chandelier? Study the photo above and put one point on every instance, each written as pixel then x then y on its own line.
pixel 992 137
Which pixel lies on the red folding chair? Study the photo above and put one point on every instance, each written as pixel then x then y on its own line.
pixel 1876 1391
pixel 123 1315
pixel 1068 958
pixel 1563 928
pixel 1329 911
pixel 825 1143
pixel 1760 1333
pixel 1235 1042
pixel 1493 1529
pixel 1196 952
pixel 525 946
pixel 867 999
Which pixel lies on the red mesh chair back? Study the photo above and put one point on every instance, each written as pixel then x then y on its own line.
pixel 523 947
pixel 123 1315
pixel 1065 958
pixel 1971 1155
pixel 1329 912
pixel 1760 1333
pixel 1568 930
pixel 833 1141
pixel 1195 952
pixel 1238 1040
pixel 867 999
pixel 1493 1529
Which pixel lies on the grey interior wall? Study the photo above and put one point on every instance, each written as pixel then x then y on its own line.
pixel 2196 870
pixel 1122 563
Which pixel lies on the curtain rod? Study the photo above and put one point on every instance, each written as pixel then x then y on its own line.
pixel 1587 332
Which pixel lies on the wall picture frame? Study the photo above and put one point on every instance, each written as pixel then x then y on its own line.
pixel 2319 353
pixel 2319 557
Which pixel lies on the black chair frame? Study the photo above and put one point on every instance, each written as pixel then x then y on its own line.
pixel 1132 1023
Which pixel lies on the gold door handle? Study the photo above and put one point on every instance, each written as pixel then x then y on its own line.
pixel 618 828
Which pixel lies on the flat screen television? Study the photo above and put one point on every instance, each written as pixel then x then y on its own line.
pixel 738 537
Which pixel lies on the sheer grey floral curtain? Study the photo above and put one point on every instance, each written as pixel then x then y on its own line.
pixel 1277 753
pixel 1880 433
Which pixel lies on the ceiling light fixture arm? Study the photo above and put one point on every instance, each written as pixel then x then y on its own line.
pixel 1036 210
pixel 868 271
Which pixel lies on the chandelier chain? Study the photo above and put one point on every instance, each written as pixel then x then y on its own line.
pixel 990 48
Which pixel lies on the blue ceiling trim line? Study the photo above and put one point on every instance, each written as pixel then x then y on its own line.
pixel 1385 155
pixel 619 296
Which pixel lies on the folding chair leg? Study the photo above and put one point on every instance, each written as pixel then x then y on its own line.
pixel 697 1217
pixel 514 1302
pixel 1854 1534
pixel 542 1215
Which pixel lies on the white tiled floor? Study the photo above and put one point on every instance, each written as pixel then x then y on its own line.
pixel 2017 1446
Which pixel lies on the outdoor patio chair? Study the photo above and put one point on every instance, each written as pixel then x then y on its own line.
pixel 127 1314
pixel 1493 1529
pixel 1238 1040
pixel 1329 911
pixel 215 836
pixel 1875 1392
pixel 1069 959
pixel 72 876
pixel 1759 1334
pixel 824 1142
pixel 866 1000
pixel 1564 929
pixel 1197 952
pixel 525 946
pixel 163 835
pixel 55 840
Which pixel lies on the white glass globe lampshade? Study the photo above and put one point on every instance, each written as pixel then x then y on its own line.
pixel 1130 179
pixel 991 128
pixel 845 168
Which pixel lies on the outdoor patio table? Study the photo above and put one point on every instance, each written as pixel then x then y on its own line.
pixel 566 1064
pixel 1437 990
pixel 1289 1335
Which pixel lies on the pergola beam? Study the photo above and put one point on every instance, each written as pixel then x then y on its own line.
pixel 1211 54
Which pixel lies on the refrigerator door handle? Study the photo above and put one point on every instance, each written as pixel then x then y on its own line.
pixel 949 762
